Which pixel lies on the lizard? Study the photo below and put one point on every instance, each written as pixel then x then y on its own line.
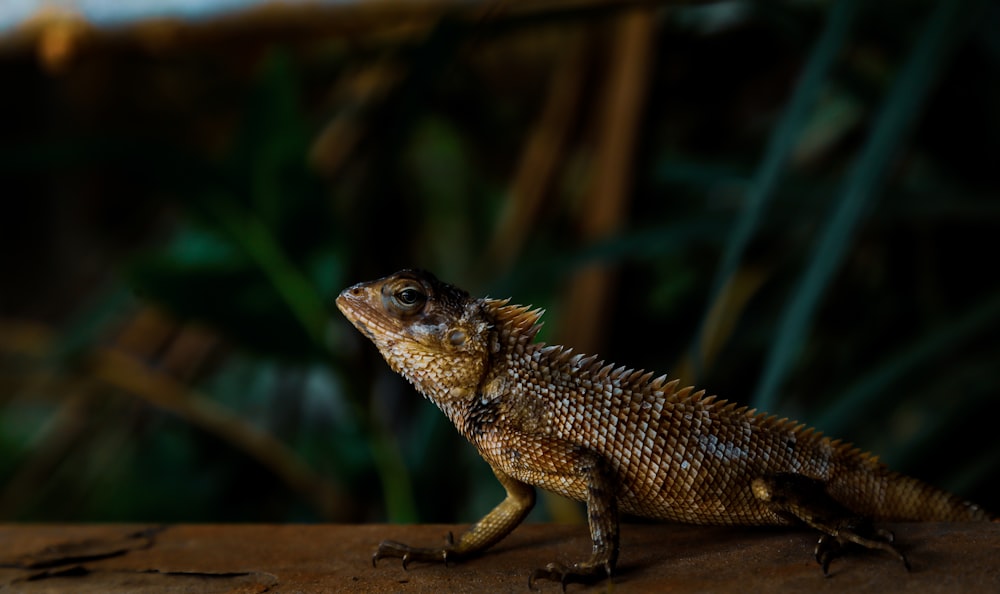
pixel 617 439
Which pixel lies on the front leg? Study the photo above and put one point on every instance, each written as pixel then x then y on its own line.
pixel 485 533
pixel 602 517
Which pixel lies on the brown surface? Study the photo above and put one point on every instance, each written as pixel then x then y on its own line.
pixel 335 558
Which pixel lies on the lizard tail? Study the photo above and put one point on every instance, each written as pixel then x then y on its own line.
pixel 909 499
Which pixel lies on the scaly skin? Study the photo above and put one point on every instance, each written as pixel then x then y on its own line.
pixel 618 439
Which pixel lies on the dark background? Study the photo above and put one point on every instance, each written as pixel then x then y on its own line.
pixel 794 204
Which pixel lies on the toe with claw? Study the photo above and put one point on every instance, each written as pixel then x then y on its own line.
pixel 397 550
pixel 833 545
pixel 581 573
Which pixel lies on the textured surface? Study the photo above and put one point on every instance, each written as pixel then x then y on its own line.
pixel 337 558
pixel 616 438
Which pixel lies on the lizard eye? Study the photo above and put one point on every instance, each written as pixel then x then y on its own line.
pixel 407 300
pixel 408 297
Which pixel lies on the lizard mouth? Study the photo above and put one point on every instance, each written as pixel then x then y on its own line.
pixel 360 304
pixel 352 302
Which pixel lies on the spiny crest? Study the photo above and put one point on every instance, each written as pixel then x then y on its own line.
pixel 519 321
pixel 605 371
pixel 619 372
pixel 522 323
pixel 564 355
pixel 636 379
pixel 640 377
pixel 706 400
pixel 804 432
pixel 724 407
pixel 683 393
pixel 662 384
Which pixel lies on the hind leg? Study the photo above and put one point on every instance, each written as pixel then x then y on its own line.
pixel 805 500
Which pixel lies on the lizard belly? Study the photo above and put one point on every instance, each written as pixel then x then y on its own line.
pixel 683 492
pixel 693 476
pixel 695 498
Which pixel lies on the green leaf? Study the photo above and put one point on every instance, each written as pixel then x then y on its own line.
pixel 860 189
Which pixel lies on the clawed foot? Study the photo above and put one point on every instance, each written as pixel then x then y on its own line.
pixel 797 497
pixel 582 573
pixel 398 550
pixel 831 546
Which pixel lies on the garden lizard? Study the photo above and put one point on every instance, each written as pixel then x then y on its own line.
pixel 618 439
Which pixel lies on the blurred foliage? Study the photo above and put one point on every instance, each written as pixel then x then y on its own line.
pixel 801 203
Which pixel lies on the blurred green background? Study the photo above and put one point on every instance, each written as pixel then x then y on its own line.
pixel 793 204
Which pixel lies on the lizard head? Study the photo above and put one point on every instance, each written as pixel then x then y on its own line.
pixel 433 334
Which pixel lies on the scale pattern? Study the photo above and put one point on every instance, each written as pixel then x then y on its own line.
pixel 617 438
pixel 676 453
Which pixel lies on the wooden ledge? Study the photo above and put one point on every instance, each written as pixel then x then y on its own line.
pixel 337 558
